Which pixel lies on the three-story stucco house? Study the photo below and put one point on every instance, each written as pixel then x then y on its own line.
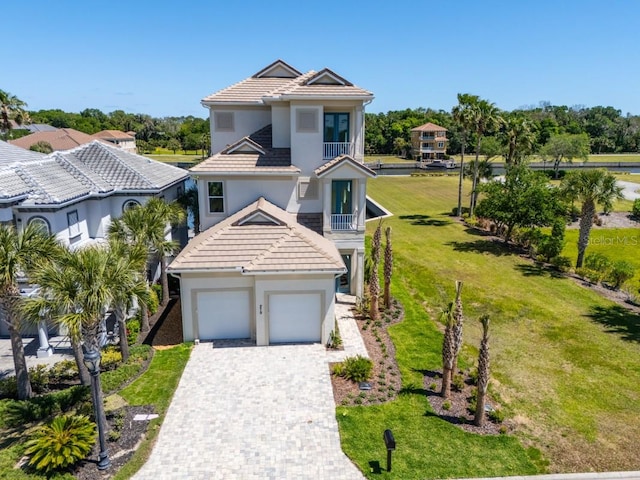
pixel 282 208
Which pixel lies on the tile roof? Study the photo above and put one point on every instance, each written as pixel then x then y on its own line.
pixel 88 170
pixel 10 154
pixel 250 159
pixel 258 89
pixel 429 127
pixel 261 238
pixel 59 139
pixel 113 135
pixel 341 160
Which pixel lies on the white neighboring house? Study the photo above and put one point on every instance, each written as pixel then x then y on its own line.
pixel 75 193
pixel 126 141
pixel 282 208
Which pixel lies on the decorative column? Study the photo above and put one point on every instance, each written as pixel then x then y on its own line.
pixel 45 349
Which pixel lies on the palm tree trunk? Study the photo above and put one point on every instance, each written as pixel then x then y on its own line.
pixel 586 221
pixel 9 304
pixel 122 333
pixel 164 280
pixel 447 359
pixel 460 179
pixel 144 319
pixel 483 373
pixel 85 378
pixel 457 328
pixel 476 167
pixel 388 269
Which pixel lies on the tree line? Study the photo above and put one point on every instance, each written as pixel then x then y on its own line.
pixel 607 129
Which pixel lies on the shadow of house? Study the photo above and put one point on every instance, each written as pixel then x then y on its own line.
pixel 493 247
pixel 538 270
pixel 618 319
pixel 425 220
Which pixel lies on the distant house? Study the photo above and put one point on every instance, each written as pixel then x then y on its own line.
pixel 429 142
pixel 59 139
pixel 283 207
pixel 125 141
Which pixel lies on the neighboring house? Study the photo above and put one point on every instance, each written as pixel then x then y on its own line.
pixel 59 139
pixel 75 193
pixel 429 142
pixel 282 205
pixel 125 141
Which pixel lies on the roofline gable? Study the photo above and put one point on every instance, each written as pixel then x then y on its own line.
pixel 264 73
pixel 244 142
pixel 325 72
pixel 338 162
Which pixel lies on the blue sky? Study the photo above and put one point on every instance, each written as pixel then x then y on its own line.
pixel 161 57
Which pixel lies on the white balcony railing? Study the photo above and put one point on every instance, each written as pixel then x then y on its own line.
pixel 343 221
pixel 335 149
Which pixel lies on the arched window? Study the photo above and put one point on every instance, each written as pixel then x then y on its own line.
pixel 40 222
pixel 129 204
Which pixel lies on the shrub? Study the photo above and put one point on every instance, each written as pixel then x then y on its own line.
pixel 446 405
pixel 60 444
pixel 39 377
pixel 335 340
pixel 597 266
pixel 620 272
pixel 561 263
pixel 63 370
pixel 9 387
pixel 157 289
pixel 111 358
pixel 19 412
pixel 357 369
pixel 153 302
pixel 635 209
pixel 133 330
pixel 496 415
pixel 550 246
pixel 458 383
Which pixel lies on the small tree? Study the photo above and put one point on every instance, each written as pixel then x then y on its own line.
pixel 448 351
pixel 173 144
pixel 42 147
pixel 483 372
pixel 388 268
pixel 551 245
pixel 564 148
pixel 374 281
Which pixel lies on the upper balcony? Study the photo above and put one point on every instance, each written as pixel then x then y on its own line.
pixel 335 149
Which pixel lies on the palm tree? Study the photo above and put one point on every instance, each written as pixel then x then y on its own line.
pixel 462 116
pixel 189 201
pixel 591 187
pixel 19 252
pixel 130 286
pixel 519 136
pixel 448 351
pixel 374 280
pixel 11 108
pixel 388 268
pixel 458 318
pixel 483 372
pixel 486 118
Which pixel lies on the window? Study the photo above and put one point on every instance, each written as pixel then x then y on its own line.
pixel 306 121
pixel 223 121
pixel 336 127
pixel 73 223
pixel 129 204
pixel 440 144
pixel 216 197
pixel 41 223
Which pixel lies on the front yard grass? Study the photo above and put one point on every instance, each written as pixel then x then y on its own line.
pixel 567 381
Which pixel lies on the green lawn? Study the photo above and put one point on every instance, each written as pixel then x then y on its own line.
pixel 176 158
pixel 565 362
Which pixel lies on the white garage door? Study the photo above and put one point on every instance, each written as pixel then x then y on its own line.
pixel 294 317
pixel 225 314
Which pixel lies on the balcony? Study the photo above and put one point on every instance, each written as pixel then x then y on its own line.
pixel 343 222
pixel 335 149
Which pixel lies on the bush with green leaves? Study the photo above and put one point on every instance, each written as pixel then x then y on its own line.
pixel 40 378
pixel 63 370
pixel 154 302
pixel 563 264
pixel 157 288
pixel 357 369
pixel 61 443
pixel 635 209
pixel 20 412
pixel 550 246
pixel 133 330
pixel 620 272
pixel 9 387
pixel 596 267
pixel 111 358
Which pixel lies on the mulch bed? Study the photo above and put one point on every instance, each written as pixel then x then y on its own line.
pixel 385 379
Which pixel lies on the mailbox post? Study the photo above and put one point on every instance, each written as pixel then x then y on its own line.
pixel 390 443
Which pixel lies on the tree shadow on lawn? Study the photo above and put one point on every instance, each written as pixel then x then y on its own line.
pixel 538 270
pixel 494 247
pixel 425 220
pixel 619 320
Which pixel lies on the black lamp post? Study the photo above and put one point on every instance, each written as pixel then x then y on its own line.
pixel 92 362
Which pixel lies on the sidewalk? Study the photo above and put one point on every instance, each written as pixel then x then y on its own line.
pixel 61 351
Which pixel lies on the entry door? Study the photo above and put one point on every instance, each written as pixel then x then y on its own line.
pixel 343 282
pixel 341 197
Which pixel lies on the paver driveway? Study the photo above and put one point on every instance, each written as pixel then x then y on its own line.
pixel 251 412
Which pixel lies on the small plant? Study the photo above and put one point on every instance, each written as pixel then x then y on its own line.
pixel 620 272
pixel 562 264
pixel 503 430
pixel 40 378
pixel 154 301
pixel 335 340
pixel 357 369
pixel 446 405
pixel 496 415
pixel 9 387
pixel 111 358
pixel 114 435
pixel 458 383
pixel 635 210
pixel 64 441
pixel 157 289
pixel 133 329
pixel 63 370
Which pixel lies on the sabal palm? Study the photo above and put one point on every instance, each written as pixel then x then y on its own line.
pixel 11 108
pixel 462 115
pixel 519 136
pixel 19 252
pixel 590 187
pixel 483 372
pixel 486 117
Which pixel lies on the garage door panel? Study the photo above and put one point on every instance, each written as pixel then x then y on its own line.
pixel 224 315
pixel 294 318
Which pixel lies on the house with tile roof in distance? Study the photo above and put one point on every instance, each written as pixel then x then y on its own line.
pixel 125 141
pixel 75 193
pixel 429 142
pixel 59 139
pixel 282 208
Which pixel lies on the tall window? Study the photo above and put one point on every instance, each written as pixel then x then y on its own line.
pixel 73 223
pixel 341 197
pixel 216 197
pixel 336 127
pixel 41 223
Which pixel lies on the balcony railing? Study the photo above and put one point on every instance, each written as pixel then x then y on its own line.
pixel 343 221
pixel 335 149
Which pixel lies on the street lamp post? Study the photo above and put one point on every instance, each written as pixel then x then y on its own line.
pixel 92 362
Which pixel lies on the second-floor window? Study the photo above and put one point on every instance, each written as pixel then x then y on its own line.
pixel 440 144
pixel 216 197
pixel 336 127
